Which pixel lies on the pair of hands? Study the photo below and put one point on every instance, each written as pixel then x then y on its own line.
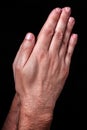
pixel 42 65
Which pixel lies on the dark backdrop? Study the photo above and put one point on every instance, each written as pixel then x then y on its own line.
pixel 16 19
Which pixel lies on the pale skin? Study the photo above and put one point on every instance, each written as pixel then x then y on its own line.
pixel 41 68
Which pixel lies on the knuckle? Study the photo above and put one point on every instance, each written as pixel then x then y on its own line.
pixel 41 55
pixel 18 68
pixel 59 34
pixel 69 54
pixel 24 46
pixel 49 30
pixel 65 71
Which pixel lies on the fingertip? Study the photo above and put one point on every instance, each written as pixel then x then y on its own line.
pixel 74 38
pixel 67 9
pixel 30 37
pixel 72 20
pixel 57 10
pixel 29 40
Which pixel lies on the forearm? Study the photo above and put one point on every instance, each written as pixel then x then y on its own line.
pixel 11 122
pixel 33 120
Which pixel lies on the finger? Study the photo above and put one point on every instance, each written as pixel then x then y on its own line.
pixel 60 29
pixel 71 46
pixel 48 29
pixel 24 50
pixel 67 35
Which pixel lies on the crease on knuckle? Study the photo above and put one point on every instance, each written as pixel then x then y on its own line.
pixel 49 30
pixel 18 68
pixel 41 55
pixel 65 71
pixel 59 34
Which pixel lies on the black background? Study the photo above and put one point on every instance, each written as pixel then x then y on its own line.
pixel 16 19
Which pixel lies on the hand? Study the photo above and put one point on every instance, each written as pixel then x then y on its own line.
pixel 41 71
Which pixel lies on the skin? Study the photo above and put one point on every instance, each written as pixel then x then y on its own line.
pixel 41 68
pixel 11 122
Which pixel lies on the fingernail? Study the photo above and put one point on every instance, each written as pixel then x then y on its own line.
pixel 58 10
pixel 67 9
pixel 29 36
pixel 71 20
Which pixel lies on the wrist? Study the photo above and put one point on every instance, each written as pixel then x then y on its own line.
pixel 36 107
pixel 32 112
pixel 34 120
